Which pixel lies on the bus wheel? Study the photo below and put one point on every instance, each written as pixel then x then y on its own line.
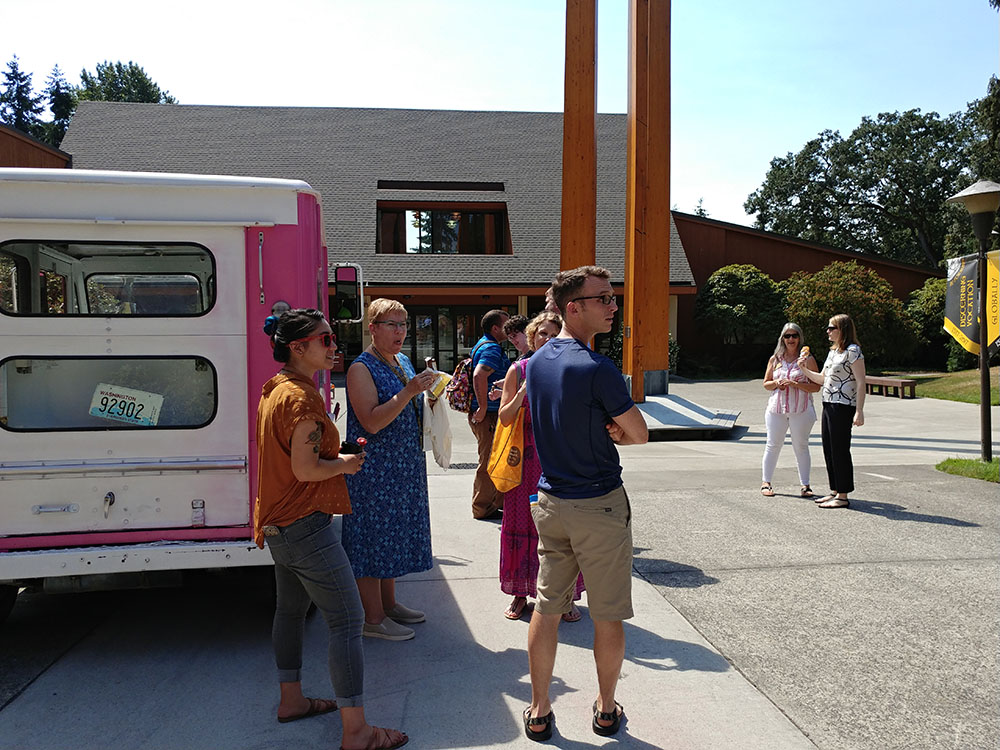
pixel 8 594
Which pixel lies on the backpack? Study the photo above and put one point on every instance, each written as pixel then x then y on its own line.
pixel 459 390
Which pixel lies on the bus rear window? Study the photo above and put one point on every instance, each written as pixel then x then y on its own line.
pixel 105 279
pixel 42 394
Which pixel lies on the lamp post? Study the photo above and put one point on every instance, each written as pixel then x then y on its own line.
pixel 982 201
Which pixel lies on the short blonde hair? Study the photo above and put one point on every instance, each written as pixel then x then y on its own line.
pixel 538 321
pixel 382 306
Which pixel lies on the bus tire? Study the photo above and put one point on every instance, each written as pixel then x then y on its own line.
pixel 8 595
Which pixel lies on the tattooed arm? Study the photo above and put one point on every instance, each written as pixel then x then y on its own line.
pixel 306 463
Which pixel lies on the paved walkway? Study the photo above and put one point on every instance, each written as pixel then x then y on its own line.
pixel 758 624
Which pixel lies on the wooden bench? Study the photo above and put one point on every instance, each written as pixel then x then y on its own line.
pixel 899 386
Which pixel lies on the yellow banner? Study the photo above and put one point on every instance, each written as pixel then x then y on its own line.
pixel 961 310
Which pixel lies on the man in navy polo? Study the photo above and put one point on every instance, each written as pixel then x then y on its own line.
pixel 489 364
pixel 580 410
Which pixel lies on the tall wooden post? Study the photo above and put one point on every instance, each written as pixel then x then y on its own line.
pixel 578 229
pixel 646 313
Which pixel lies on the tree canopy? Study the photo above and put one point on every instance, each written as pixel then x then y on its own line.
pixel 881 190
pixel 21 107
pixel 115 82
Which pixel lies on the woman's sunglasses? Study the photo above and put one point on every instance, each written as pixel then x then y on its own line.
pixel 789 335
pixel 831 328
pixel 326 339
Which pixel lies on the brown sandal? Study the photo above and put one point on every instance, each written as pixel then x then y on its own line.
pixel 380 739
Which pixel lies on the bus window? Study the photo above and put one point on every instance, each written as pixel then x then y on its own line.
pixel 106 393
pixel 105 279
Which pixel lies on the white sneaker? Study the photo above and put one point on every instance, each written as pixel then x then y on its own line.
pixel 389 630
pixel 399 613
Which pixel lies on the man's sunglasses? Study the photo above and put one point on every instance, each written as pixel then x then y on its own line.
pixel 326 339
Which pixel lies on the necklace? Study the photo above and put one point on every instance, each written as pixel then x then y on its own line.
pixel 397 370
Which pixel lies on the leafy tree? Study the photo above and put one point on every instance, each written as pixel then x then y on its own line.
pixel 19 105
pixel 887 334
pixel 62 103
pixel 880 191
pixel 741 303
pixel 115 82
pixel 699 210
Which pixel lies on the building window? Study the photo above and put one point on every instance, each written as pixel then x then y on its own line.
pixel 469 229
pixel 106 393
pixel 39 277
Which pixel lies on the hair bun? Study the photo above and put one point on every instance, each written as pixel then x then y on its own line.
pixel 270 324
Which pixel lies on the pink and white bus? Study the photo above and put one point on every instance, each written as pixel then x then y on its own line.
pixel 131 362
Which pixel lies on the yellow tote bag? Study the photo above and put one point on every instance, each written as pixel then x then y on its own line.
pixel 507 455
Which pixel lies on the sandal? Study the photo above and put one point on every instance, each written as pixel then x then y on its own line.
pixel 380 739
pixel 806 491
pixel 615 717
pixel 825 498
pixel 836 502
pixel 516 608
pixel 765 490
pixel 317 706
pixel 539 721
pixel 573 615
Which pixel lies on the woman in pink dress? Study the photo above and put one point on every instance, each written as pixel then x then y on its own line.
pixel 518 537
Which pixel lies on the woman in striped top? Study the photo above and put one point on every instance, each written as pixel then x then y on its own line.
pixel 790 407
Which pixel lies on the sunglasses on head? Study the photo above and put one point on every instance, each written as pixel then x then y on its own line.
pixel 326 339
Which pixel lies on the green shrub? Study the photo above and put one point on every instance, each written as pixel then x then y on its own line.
pixel 887 334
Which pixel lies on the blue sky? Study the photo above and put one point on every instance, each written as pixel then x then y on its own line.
pixel 750 80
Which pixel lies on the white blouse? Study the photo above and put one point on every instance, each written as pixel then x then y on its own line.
pixel 792 400
pixel 840 386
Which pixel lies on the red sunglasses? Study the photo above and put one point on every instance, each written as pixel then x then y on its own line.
pixel 326 339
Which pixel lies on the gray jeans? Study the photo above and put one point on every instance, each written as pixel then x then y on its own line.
pixel 310 565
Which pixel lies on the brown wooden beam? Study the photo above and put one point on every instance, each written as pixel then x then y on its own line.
pixel 646 315
pixel 578 230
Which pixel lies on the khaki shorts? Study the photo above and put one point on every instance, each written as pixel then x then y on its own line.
pixel 592 536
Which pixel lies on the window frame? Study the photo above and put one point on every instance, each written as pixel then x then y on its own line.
pixel 496 208
pixel 113 426
pixel 208 287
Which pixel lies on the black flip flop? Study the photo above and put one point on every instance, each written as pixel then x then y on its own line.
pixel 539 721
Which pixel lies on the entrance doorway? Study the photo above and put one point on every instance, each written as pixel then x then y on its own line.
pixel 446 333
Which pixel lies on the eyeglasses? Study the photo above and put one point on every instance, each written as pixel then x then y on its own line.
pixel 789 335
pixel 606 299
pixel 401 325
pixel 831 328
pixel 326 339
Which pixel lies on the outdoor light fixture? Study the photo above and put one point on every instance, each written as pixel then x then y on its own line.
pixel 982 201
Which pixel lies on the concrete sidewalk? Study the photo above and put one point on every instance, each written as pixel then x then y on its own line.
pixel 760 581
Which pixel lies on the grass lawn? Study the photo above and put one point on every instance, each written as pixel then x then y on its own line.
pixel 971 467
pixel 955 386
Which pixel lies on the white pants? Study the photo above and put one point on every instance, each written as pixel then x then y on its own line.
pixel 778 426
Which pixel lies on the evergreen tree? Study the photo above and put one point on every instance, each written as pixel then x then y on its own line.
pixel 19 105
pixel 62 104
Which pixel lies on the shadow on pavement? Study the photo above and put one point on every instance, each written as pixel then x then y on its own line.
pixel 895 512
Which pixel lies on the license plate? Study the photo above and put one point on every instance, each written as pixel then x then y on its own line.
pixel 126 405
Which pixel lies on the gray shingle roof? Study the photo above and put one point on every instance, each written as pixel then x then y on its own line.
pixel 344 152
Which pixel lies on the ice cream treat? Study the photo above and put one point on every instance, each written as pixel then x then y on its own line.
pixel 805 351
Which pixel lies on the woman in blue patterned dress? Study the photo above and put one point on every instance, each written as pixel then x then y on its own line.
pixel 389 533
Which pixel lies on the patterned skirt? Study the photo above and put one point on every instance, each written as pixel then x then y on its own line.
pixel 519 538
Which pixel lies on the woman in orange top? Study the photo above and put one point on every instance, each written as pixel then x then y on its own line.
pixel 300 485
